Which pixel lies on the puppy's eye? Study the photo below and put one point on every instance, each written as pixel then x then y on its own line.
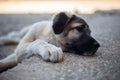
pixel 80 28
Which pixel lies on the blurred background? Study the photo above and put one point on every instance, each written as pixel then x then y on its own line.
pixel 103 18
pixel 53 6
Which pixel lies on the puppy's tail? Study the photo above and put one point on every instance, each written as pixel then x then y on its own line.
pixel 8 62
pixel 5 40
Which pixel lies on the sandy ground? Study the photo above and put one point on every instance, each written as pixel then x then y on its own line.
pixel 105 65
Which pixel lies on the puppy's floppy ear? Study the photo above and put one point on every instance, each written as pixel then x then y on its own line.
pixel 73 17
pixel 59 22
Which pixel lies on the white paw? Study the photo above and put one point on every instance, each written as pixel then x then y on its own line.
pixel 47 51
pixel 52 53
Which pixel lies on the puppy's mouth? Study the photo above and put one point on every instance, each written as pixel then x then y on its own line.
pixel 85 51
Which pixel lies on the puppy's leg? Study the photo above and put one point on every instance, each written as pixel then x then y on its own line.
pixel 13 59
pixel 13 37
pixel 47 51
pixel 18 54
pixel 8 62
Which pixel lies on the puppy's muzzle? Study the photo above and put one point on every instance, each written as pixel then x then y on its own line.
pixel 91 47
pixel 84 45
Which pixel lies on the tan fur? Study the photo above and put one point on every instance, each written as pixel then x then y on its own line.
pixel 68 33
pixel 69 27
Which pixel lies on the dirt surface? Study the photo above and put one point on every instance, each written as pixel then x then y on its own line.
pixel 105 65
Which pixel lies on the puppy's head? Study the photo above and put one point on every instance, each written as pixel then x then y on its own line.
pixel 73 34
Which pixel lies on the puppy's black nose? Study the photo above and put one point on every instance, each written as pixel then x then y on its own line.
pixel 96 44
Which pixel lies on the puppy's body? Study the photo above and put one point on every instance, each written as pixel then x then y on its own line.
pixel 36 41
pixel 49 39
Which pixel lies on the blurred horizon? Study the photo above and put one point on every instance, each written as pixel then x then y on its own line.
pixel 55 6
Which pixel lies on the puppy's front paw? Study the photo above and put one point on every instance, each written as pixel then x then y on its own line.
pixel 52 53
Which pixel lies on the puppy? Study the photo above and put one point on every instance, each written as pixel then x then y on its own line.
pixel 49 39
